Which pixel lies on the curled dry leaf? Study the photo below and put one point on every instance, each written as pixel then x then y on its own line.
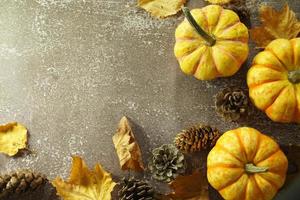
pixel 192 187
pixel 127 148
pixel 13 137
pixel 161 8
pixel 275 24
pixel 85 184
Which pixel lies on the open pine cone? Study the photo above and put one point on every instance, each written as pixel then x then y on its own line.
pixel 134 189
pixel 20 182
pixel 167 163
pixel 196 138
pixel 232 104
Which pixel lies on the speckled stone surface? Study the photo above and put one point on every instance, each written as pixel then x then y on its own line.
pixel 70 69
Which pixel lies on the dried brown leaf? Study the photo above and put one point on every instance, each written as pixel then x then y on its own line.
pixel 275 24
pixel 161 8
pixel 127 148
pixel 191 187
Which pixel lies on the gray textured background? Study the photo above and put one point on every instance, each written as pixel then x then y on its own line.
pixel 70 69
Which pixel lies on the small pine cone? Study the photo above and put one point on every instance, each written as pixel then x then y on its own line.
pixel 134 189
pixel 20 182
pixel 167 163
pixel 196 138
pixel 232 104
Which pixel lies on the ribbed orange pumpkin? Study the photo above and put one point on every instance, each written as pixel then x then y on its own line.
pixel 246 165
pixel 274 80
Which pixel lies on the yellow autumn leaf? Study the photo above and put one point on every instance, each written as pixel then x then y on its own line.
pixel 85 184
pixel 190 187
pixel 127 148
pixel 161 8
pixel 275 24
pixel 13 137
pixel 219 1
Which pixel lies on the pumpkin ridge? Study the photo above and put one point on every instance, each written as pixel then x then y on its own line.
pixel 275 98
pixel 296 103
pixel 274 54
pixel 237 39
pixel 229 27
pixel 224 165
pixel 206 21
pixel 268 156
pixel 214 62
pixel 293 43
pixel 252 177
pixel 293 53
pixel 231 182
pixel 188 53
pixel 257 146
pixel 242 147
pixel 185 39
pixel 197 65
pixel 253 86
pixel 246 189
pixel 270 182
pixel 227 151
pixel 228 54
pixel 259 65
pixel 218 21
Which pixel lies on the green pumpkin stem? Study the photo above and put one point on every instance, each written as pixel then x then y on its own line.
pixel 208 38
pixel 250 168
pixel 294 76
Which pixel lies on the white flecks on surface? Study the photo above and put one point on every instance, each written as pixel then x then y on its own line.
pixel 70 69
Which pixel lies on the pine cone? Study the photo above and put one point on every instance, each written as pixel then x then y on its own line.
pixel 196 138
pixel 232 104
pixel 134 189
pixel 20 182
pixel 167 163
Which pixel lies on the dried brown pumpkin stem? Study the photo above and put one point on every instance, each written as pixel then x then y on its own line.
pixel 207 37
pixel 294 76
pixel 250 168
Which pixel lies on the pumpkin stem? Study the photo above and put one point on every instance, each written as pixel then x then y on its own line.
pixel 250 168
pixel 294 76
pixel 207 37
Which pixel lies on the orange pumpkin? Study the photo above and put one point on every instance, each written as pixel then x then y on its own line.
pixel 274 80
pixel 245 165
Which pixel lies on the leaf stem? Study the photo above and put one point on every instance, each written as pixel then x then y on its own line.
pixel 207 37
pixel 294 76
pixel 250 168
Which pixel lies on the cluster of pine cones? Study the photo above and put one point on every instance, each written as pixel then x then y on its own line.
pixel 20 182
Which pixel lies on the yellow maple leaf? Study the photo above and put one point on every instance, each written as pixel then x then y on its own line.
pixel 161 8
pixel 190 187
pixel 127 148
pixel 13 137
pixel 275 24
pixel 85 184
